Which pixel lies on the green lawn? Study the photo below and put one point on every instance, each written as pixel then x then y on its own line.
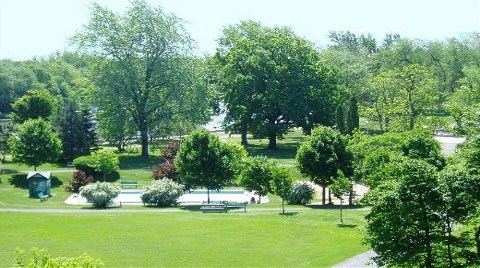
pixel 145 238
pixel 142 236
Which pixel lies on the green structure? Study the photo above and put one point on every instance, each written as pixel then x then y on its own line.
pixel 39 184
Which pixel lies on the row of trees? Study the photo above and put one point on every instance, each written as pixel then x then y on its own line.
pixel 138 74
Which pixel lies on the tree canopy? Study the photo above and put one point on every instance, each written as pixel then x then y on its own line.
pixel 203 160
pixel 272 80
pixel 137 60
pixel 322 155
pixel 35 143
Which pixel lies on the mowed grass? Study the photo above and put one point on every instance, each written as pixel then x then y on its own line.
pixel 307 238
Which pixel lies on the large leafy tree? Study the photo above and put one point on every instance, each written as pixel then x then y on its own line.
pixel 404 224
pixel 136 63
pixel 203 160
pixel 323 155
pixel 35 104
pixel 273 80
pixel 35 143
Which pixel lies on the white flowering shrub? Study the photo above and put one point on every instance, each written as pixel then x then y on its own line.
pixel 100 194
pixel 164 192
pixel 302 193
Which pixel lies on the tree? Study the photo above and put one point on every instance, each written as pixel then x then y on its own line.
pixel 340 187
pixel 137 57
pixel 106 162
pixel 257 175
pixel 421 145
pixel 35 104
pixel 352 121
pixel 203 160
pixel 77 129
pixel 35 143
pixel 272 80
pixel 401 95
pixel 404 225
pixel 461 195
pixel 6 130
pixel 282 184
pixel 322 155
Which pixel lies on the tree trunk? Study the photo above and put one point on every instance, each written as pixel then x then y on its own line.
pixel 477 240
pixel 323 195
pixel 411 110
pixel 283 206
pixel 208 196
pixel 350 195
pixel 330 197
pixel 449 242
pixel 34 168
pixel 144 141
pixel 272 140
pixel 341 211
pixel 243 134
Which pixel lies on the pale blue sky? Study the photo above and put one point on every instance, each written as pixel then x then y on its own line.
pixel 31 28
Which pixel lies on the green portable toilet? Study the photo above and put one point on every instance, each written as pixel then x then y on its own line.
pixel 39 184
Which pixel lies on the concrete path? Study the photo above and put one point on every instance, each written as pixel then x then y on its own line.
pixel 359 261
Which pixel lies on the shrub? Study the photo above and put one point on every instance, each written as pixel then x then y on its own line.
pixel 41 258
pixel 86 164
pixel 302 193
pixel 100 194
pixel 165 170
pixel 80 178
pixel 170 150
pixel 163 192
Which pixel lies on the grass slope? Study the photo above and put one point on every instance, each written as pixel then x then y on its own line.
pixel 257 238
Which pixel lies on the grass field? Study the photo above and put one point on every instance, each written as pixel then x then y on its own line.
pixel 142 236
pixel 256 238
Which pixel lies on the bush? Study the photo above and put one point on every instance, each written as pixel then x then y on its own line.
pixel 80 178
pixel 170 150
pixel 100 194
pixel 86 164
pixel 165 170
pixel 163 192
pixel 41 258
pixel 302 193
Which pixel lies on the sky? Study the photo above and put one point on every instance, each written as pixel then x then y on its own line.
pixel 38 28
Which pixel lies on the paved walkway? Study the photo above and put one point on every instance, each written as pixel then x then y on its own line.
pixel 359 261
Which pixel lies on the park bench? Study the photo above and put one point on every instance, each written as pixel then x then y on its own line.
pixel 214 208
pixel 237 205
pixel 128 184
pixel 70 165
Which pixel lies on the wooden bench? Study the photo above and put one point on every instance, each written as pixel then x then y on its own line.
pixel 70 165
pixel 214 208
pixel 236 205
pixel 128 183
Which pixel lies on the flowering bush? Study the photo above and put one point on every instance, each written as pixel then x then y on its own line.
pixel 100 194
pixel 163 192
pixel 302 193
pixel 165 170
pixel 80 178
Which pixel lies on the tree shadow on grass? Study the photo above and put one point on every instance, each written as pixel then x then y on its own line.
pixel 284 151
pixel 332 206
pixel 288 214
pixel 139 162
pixel 20 181
pixel 342 225
pixel 9 171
